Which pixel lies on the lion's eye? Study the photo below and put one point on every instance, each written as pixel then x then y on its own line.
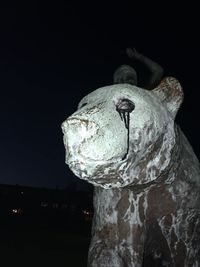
pixel 125 105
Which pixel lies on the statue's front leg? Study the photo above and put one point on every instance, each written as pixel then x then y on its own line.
pixel 105 252
pixel 117 231
pixel 101 256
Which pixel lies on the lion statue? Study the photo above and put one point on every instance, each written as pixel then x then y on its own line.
pixel 124 141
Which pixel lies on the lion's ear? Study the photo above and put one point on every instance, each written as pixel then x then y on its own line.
pixel 170 92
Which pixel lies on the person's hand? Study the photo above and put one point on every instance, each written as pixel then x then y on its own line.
pixel 132 53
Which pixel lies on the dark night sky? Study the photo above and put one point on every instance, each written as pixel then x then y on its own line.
pixel 52 55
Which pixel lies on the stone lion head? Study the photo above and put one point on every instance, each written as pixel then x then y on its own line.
pixel 123 135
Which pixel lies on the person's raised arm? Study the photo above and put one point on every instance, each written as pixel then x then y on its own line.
pixel 156 71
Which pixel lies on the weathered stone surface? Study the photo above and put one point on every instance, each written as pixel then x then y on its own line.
pixel 124 141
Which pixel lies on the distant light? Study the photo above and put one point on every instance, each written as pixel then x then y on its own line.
pixel 17 211
pixel 87 212
pixel 44 204
pixel 87 215
pixel 22 192
pixel 14 211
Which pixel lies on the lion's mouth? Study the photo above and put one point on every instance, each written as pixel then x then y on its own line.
pixel 83 160
pixel 80 152
pixel 99 173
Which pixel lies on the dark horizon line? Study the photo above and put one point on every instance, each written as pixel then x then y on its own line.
pixel 40 187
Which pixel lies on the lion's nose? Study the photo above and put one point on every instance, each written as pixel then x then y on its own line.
pixel 79 128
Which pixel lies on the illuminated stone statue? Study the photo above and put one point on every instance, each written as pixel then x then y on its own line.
pixel 124 141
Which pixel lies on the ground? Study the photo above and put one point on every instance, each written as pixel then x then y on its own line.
pixel 41 246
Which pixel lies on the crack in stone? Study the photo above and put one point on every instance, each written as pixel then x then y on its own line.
pixel 125 116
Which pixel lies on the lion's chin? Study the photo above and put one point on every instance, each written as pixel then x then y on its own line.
pixel 104 173
pixel 85 163
pixel 100 174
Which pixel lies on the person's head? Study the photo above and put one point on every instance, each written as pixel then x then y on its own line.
pixel 125 74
